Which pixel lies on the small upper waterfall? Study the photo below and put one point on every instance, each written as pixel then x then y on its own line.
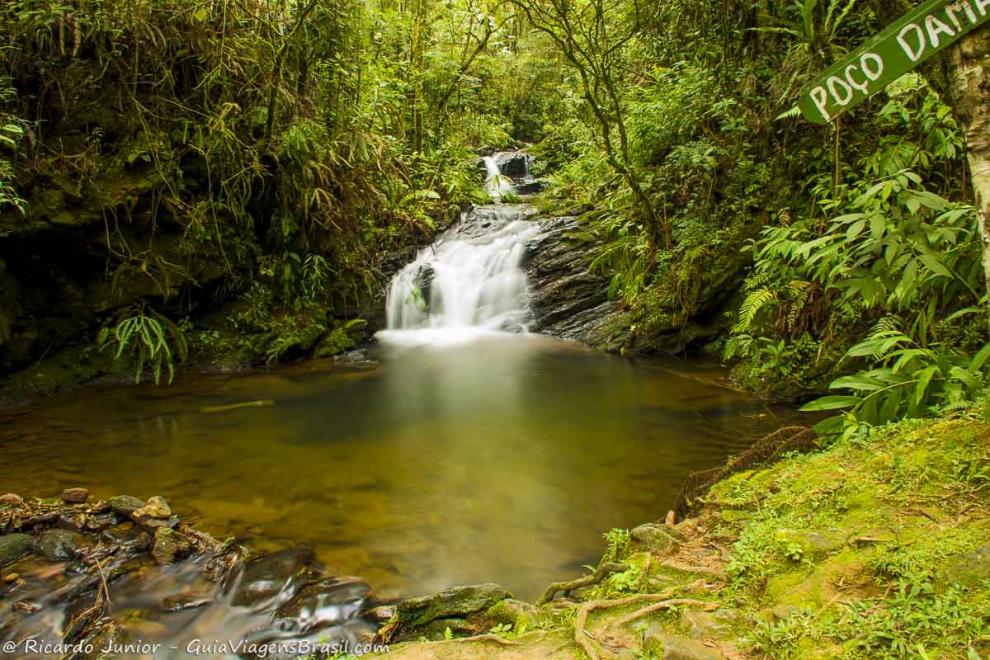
pixel 472 277
pixel 496 183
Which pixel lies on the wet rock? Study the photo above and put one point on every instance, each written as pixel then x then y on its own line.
pixel 424 282
pixel 513 164
pixel 530 186
pixel 14 546
pixel 99 522
pixel 183 602
pixel 156 508
pixel 276 574
pixel 379 614
pixel 654 538
pixel 568 300
pixel 677 647
pixel 323 603
pixel 167 546
pixel 11 499
pixel 125 505
pixel 414 616
pixel 970 569
pixel 75 495
pixel 58 544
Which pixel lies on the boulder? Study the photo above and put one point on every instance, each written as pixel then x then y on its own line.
pixel 530 186
pixel 513 164
pixel 14 546
pixel 57 544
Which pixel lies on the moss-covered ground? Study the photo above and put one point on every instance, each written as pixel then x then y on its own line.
pixel 877 547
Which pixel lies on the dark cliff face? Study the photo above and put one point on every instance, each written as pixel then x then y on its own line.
pixel 570 301
pixel 567 299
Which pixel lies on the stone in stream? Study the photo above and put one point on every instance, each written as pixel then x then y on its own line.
pixel 324 603
pixel 182 602
pixel 125 505
pixel 57 544
pixel 14 546
pixel 514 164
pixel 75 495
pixel 277 574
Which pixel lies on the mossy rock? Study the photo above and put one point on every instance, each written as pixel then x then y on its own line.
pixel 414 616
pixel 14 546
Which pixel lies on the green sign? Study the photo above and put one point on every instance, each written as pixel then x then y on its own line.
pixel 923 33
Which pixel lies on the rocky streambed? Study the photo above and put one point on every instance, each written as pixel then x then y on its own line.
pixel 82 578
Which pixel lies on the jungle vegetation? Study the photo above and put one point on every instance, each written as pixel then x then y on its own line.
pixel 268 157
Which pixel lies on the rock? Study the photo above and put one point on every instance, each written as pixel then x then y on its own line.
pixel 511 611
pixel 58 544
pixel 11 499
pixel 75 495
pixel 183 602
pixel 655 538
pixel 530 186
pixel 424 282
pixel 677 647
pixel 379 614
pixel 156 508
pixel 709 625
pixel 812 544
pixel 125 505
pixel 166 547
pixel 328 602
pixel 567 299
pixel 513 164
pixel 970 569
pixel 416 615
pixel 14 546
pixel 272 575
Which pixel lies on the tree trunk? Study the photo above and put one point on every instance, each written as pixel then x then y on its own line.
pixel 970 87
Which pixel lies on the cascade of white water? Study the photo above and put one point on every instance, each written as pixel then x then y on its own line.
pixel 496 183
pixel 471 278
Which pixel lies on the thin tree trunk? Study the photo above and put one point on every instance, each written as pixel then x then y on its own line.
pixel 970 86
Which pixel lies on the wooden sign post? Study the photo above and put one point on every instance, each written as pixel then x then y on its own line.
pixel 923 33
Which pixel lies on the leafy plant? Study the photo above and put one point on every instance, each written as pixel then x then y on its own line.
pixel 147 341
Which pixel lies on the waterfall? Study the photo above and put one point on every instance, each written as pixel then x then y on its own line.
pixel 495 182
pixel 471 278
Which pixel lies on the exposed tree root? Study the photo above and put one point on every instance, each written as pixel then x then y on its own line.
pixel 660 601
pixel 600 574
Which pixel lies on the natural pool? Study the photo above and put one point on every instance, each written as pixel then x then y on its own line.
pixel 492 457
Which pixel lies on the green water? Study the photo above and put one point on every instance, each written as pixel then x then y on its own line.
pixel 499 459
